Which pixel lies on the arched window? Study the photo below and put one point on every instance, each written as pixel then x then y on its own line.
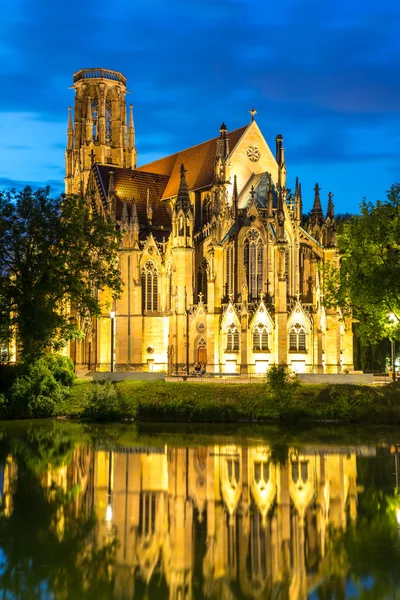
pixel 260 338
pixel 95 119
pixel 207 209
pixel 230 269
pixel 108 119
pixel 149 287
pixel 300 470
pixel 253 263
pixel 170 287
pixel 232 339
pixel 297 338
pixel 261 474
pixel 202 279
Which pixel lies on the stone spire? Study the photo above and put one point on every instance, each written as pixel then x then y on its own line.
pixel 70 130
pixel 221 157
pixel 298 204
pixel 280 159
pixel 235 198
pixel 131 129
pixel 280 217
pixel 317 215
pixel 331 209
pixel 124 216
pixel 183 200
pixel 270 196
pixel 134 221
pixel 330 226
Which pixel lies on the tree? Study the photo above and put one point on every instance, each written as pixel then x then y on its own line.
pixel 367 283
pixel 55 255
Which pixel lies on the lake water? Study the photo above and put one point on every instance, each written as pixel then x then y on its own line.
pixel 181 513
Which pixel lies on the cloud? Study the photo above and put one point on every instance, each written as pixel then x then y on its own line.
pixel 323 74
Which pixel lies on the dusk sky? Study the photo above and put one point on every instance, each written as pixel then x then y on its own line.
pixel 323 74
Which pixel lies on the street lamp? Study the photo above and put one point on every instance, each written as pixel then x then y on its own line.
pixel 112 317
pixel 393 319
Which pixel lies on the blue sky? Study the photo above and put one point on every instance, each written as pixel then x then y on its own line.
pixel 323 74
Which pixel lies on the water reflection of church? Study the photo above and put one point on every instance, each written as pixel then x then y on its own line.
pixel 228 516
pixel 214 522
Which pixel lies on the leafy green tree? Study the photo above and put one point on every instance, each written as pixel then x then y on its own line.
pixel 55 254
pixel 367 284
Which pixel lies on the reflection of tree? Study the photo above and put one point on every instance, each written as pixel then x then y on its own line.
pixel 369 550
pixel 44 552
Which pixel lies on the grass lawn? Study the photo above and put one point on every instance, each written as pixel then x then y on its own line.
pixel 158 401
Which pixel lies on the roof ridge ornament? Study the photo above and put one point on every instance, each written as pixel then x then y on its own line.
pixel 253 113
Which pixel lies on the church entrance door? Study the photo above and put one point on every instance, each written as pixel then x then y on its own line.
pixel 202 354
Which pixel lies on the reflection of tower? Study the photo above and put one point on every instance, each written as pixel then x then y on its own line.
pixel 97 129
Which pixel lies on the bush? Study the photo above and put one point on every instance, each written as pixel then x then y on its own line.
pixel 104 404
pixel 36 393
pixel 8 374
pixel 62 368
pixel 279 377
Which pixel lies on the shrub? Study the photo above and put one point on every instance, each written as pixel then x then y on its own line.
pixel 104 404
pixel 8 374
pixel 62 368
pixel 36 393
pixel 279 377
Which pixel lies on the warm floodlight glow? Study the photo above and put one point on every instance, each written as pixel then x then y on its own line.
pixel 392 317
pixel 109 513
pixel 398 516
pixel 112 314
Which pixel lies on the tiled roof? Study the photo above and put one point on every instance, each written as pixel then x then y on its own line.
pixel 132 184
pixel 199 163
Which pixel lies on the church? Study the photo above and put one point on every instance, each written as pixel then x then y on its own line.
pixel 218 264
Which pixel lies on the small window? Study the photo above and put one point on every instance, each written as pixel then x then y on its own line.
pixel 260 338
pixel 304 471
pixel 295 472
pixel 232 339
pixel 297 338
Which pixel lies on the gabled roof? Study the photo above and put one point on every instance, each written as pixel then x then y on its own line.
pixel 134 185
pixel 199 163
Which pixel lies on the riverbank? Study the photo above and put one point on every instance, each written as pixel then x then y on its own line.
pixel 203 403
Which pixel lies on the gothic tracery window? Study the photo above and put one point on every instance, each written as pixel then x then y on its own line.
pixel 202 279
pixel 149 281
pixel 232 339
pixel 95 119
pixel 253 263
pixel 297 338
pixel 261 473
pixel 260 338
pixel 230 270
pixel 108 119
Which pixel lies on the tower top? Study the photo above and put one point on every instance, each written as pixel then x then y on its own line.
pixel 90 74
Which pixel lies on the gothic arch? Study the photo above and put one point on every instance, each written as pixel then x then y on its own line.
pixel 253 260
pixel 149 281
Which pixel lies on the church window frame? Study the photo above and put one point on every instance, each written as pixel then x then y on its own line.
pixel 260 338
pixel 230 270
pixel 297 338
pixel 232 338
pixel 108 119
pixel 149 281
pixel 254 262
pixel 94 107
pixel 202 279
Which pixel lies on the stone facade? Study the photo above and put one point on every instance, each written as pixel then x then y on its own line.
pixel 218 266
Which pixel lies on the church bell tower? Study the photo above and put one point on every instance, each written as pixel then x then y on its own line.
pixel 97 128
